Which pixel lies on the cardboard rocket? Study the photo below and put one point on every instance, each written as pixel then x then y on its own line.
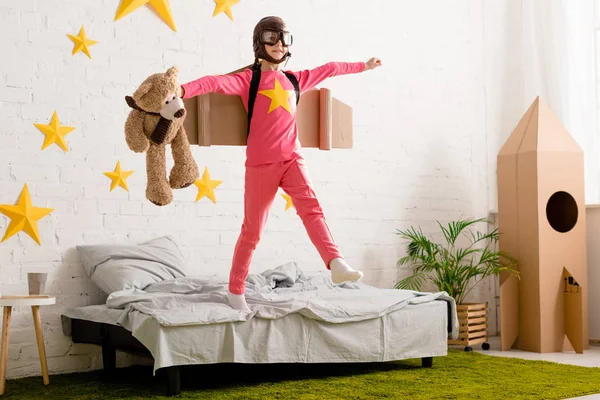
pixel 323 121
pixel 541 221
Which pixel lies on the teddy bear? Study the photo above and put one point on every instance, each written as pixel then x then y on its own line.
pixel 156 120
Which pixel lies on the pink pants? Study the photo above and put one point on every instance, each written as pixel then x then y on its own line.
pixel 262 183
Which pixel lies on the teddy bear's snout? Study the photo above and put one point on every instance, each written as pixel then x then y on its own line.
pixel 173 109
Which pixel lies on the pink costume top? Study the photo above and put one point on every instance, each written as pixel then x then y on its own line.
pixel 273 132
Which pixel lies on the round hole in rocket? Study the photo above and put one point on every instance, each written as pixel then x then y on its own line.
pixel 562 212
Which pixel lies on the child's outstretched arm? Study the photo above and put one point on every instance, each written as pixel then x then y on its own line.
pixel 308 79
pixel 230 84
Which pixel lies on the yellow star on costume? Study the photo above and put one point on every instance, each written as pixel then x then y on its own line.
pixel 24 216
pixel 82 43
pixel 206 186
pixel 55 133
pixel 162 8
pixel 278 96
pixel 288 200
pixel 225 6
pixel 118 177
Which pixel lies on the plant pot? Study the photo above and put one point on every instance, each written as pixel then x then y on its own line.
pixel 472 326
pixel 36 282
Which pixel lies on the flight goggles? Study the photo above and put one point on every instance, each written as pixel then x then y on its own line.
pixel 272 37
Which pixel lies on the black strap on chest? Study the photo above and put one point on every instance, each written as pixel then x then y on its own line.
pixel 254 90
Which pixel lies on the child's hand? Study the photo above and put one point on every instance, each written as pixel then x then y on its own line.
pixel 373 63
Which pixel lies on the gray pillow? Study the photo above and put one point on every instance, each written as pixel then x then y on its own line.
pixel 121 267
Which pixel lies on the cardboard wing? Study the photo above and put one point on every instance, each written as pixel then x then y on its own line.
pixel 215 119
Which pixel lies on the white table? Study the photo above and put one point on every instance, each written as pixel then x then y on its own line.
pixel 35 301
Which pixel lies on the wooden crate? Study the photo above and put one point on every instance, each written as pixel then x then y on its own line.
pixel 472 323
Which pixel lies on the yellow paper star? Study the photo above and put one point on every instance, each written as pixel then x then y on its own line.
pixel 225 6
pixel 278 96
pixel 24 216
pixel 118 177
pixel 82 43
pixel 206 186
pixel 55 133
pixel 288 200
pixel 162 8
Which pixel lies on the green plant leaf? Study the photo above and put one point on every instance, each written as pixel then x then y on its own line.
pixel 413 282
pixel 453 270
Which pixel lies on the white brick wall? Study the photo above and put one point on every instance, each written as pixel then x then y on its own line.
pixel 419 155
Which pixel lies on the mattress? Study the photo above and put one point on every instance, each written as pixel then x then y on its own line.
pixel 414 331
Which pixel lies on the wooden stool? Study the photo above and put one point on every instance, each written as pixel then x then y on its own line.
pixel 35 301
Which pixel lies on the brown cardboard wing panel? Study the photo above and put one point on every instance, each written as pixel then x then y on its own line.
pixel 325 122
pixel 308 115
pixel 190 124
pixel 341 125
pixel 205 121
pixel 215 119
pixel 222 120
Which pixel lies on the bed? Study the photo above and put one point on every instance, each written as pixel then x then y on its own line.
pixel 181 320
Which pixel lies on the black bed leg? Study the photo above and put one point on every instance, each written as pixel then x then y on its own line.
pixel 173 381
pixel 427 362
pixel 109 353
pixel 109 358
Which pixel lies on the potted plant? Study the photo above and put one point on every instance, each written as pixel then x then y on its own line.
pixel 456 270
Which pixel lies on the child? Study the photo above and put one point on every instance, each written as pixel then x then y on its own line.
pixel 273 152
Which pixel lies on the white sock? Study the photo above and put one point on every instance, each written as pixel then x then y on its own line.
pixel 238 302
pixel 341 272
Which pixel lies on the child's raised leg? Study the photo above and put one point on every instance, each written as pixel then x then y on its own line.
pixel 296 183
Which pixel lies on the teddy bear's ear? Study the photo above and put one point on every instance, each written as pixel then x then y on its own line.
pixel 143 89
pixel 131 102
pixel 173 71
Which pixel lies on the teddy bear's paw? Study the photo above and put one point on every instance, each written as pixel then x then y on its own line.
pixel 159 195
pixel 182 176
pixel 140 145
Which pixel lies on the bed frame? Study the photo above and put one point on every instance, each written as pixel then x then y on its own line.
pixel 114 337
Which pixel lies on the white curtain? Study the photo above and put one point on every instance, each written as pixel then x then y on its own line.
pixel 541 48
pixel 558 64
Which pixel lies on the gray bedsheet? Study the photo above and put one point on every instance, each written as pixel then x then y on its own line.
pixel 272 294
pixel 188 321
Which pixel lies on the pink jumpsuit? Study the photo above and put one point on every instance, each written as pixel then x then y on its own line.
pixel 273 157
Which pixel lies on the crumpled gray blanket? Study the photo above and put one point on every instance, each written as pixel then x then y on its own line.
pixel 271 294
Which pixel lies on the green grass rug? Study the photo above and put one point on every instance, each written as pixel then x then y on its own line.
pixel 459 375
